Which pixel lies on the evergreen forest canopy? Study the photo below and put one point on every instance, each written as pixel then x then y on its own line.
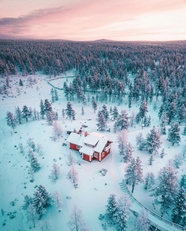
pixel 157 68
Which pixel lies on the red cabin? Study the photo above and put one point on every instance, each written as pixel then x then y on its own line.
pixel 94 146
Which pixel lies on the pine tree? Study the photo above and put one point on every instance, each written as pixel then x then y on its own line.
pixel 82 111
pixel 123 211
pixel 142 221
pixel 179 210
pixel 18 115
pixel 149 180
pixel 55 172
pixel 162 154
pixel 134 173
pixel 115 113
pixel 105 112
pixel 94 105
pixel 171 111
pixel 73 176
pixel 151 159
pixel 69 110
pixel 111 210
pixel 56 95
pixel 76 222
pixel 153 141
pixel 57 129
pixel 25 113
pixel 32 215
pixel 39 204
pixel 178 160
pixel 163 124
pixel 57 200
pixel 123 120
pixel 133 119
pixel 166 190
pixel 47 106
pixel 128 153
pixel 143 109
pixel 34 163
pixel 42 109
pixel 122 142
pixel 102 124
pixel 10 119
pixel 174 134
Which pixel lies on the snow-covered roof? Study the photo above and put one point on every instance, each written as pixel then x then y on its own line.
pixel 73 138
pixel 101 144
pixel 91 140
pixel 70 128
pixel 86 150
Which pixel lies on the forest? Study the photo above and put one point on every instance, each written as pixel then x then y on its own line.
pixel 124 89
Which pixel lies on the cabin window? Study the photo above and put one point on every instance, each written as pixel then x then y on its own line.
pixel 95 154
pixel 103 154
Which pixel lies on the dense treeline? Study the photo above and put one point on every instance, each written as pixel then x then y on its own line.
pixel 108 70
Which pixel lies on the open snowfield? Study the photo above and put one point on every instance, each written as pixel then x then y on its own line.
pixel 93 188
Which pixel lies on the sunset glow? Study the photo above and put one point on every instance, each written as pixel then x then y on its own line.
pixel 122 20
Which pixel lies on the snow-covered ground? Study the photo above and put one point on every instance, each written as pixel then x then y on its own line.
pixel 93 188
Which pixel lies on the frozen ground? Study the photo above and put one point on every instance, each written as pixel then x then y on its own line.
pixel 93 189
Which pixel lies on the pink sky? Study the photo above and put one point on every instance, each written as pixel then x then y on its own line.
pixel 124 20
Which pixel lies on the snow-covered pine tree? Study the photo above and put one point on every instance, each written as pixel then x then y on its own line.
pixel 76 222
pixel 82 111
pixel 153 140
pixel 69 110
pixel 115 113
pixel 151 159
pixel 133 119
pixel 134 173
pixel 171 111
pixel 174 134
pixel 47 106
pixel 55 172
pixel 149 180
pixel 105 112
pixel 70 159
pixel 10 120
pixel 27 201
pixel 122 142
pixel 32 215
pixel 123 211
pixel 25 113
pixel 102 124
pixel 73 176
pixel 34 162
pixel 56 95
pixel 165 191
pixel 57 129
pixel 142 221
pixel 128 153
pixel 162 154
pixel 46 196
pixel 94 105
pixel 178 160
pixel 42 109
pixel 143 109
pixel 179 210
pixel 57 201
pixel 123 120
pixel 163 124
pixel 111 210
pixel 39 204
pixel 18 115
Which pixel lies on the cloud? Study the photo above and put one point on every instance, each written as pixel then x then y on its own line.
pixel 90 18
